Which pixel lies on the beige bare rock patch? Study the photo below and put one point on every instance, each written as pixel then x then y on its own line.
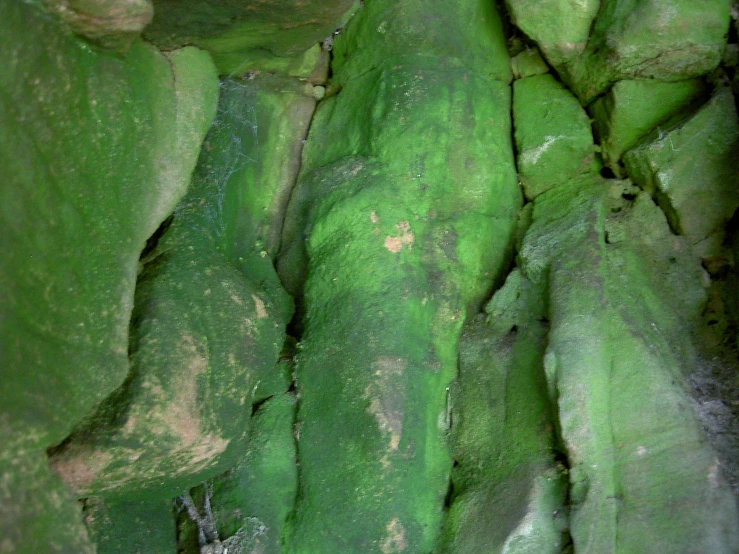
pixel 405 238
pixel 386 395
pixel 81 469
pixel 394 541
pixel 181 414
pixel 260 307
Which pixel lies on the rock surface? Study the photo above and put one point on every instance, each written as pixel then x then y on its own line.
pixel 632 109
pixel 97 151
pixel 689 170
pixel 552 131
pixel 408 217
pixel 451 369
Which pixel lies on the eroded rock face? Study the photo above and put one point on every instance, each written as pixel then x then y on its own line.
pixel 395 201
pixel 235 31
pixel 689 169
pixel 466 373
pixel 97 151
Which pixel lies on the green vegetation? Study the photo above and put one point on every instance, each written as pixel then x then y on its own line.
pixel 365 277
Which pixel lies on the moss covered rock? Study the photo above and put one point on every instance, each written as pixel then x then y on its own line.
pixel 553 138
pixel 649 39
pixel 257 32
pixel 507 492
pixel 97 151
pixel 207 328
pixel 403 217
pixel 632 109
pixel 642 476
pixel 689 170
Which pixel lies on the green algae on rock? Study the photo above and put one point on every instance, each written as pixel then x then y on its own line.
pixel 206 329
pixel 408 203
pixel 254 30
pixel 258 493
pixel 132 526
pixel 561 28
pixel 553 137
pixel 632 109
pixel 689 169
pixel 97 150
pixel 528 64
pixel 642 476
pixel 669 40
pixel 508 493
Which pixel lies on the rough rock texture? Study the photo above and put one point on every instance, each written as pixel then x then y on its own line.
pixel 528 63
pixel 588 406
pixel 238 30
pixel 508 494
pixel 629 39
pixel 690 170
pixel 560 27
pixel 552 131
pixel 632 109
pixel 76 213
pixel 204 336
pixel 252 501
pixel 131 526
pixel 408 201
pixel 112 24
pixel 642 477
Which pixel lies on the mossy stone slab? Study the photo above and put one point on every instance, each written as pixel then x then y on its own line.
pixel 528 64
pixel 404 216
pixel 670 40
pixel 409 34
pixel 439 175
pixel 632 109
pixel 97 150
pixel 554 141
pixel 76 213
pixel 689 169
pixel 252 501
pixel 38 512
pixel 131 527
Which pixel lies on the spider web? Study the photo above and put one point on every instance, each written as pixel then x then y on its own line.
pixel 231 145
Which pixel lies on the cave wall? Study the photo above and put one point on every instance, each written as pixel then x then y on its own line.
pixel 386 276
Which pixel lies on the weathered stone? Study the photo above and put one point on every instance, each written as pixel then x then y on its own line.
pixel 252 501
pixel 253 30
pixel 38 512
pixel 131 527
pixel 632 109
pixel 528 64
pixel 112 24
pixel 204 333
pixel 96 150
pixel 408 200
pixel 508 494
pixel 643 478
pixel 670 40
pixel 561 28
pixel 553 137
pixel 690 171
